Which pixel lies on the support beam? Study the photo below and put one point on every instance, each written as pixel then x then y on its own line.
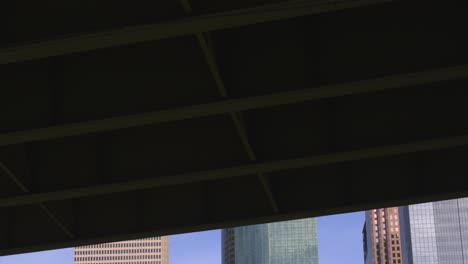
pixel 13 177
pixel 57 221
pixel 187 228
pixel 262 177
pixel 236 117
pixel 238 171
pixel 265 182
pixel 44 208
pixel 236 105
pixel 171 29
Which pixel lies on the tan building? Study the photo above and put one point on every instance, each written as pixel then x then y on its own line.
pixel 381 234
pixel 152 250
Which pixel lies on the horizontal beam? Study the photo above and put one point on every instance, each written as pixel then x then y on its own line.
pixel 188 26
pixel 255 168
pixel 236 105
pixel 188 228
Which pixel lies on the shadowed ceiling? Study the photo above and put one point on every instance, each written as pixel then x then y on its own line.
pixel 145 118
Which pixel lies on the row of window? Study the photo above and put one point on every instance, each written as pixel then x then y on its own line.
pixel 396 229
pixel 134 262
pixel 385 246
pixel 390 223
pixel 395 260
pixel 124 245
pixel 103 258
pixel 120 251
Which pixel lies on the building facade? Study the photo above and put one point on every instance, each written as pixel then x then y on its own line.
pixel 275 243
pixel 435 233
pixel 228 250
pixel 381 237
pixel 152 250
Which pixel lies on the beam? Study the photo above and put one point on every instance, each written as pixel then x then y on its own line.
pixel 262 177
pixel 238 171
pixel 236 117
pixel 266 186
pixel 188 228
pixel 57 221
pixel 43 207
pixel 13 177
pixel 236 105
pixel 171 29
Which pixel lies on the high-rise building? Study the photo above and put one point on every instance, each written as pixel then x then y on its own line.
pixel 228 250
pixel 381 237
pixel 152 250
pixel 435 233
pixel 275 243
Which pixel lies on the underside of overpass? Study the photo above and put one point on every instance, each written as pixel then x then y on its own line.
pixel 144 118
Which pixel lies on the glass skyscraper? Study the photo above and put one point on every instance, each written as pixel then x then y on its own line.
pixel 275 243
pixel 435 233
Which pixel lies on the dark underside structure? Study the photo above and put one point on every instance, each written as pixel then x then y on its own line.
pixel 146 118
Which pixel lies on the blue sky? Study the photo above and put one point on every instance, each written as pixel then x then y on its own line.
pixel 340 239
pixel 337 233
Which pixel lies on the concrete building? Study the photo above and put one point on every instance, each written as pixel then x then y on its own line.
pixel 435 233
pixel 275 243
pixel 381 237
pixel 152 250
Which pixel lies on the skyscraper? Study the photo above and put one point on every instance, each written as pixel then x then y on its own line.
pixel 275 243
pixel 152 250
pixel 381 237
pixel 435 233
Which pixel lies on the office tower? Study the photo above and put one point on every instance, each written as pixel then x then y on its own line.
pixel 435 233
pixel 381 237
pixel 275 243
pixel 228 246
pixel 152 250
